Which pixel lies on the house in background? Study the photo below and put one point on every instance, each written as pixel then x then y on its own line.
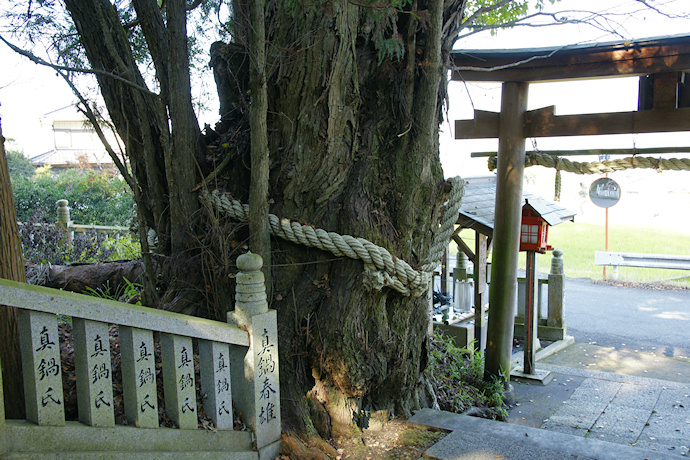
pixel 72 142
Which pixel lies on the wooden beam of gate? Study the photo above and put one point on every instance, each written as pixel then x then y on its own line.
pixel 620 58
pixel 568 153
pixel 543 123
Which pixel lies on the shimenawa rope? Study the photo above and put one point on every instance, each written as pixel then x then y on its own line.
pixel 380 266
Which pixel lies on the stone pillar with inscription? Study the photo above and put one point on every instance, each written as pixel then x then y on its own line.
pixel 139 377
pixel 38 334
pixel 256 383
pixel 94 379
pixel 556 291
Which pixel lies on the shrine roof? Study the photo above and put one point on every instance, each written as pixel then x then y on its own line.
pixel 478 206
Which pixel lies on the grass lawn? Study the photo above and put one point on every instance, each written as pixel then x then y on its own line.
pixel 579 241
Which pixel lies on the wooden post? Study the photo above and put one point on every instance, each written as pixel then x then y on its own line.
pixel 480 255
pixel 510 173
pixel 444 272
pixel 531 313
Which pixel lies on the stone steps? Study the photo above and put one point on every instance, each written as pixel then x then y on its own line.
pixel 75 440
pixel 477 438
pixel 131 455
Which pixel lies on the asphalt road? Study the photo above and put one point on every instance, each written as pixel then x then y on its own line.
pixel 628 318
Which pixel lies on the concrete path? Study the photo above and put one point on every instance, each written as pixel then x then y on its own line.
pixel 473 438
pixel 645 319
pixel 581 413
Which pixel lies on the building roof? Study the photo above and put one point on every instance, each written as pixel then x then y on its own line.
pixel 62 157
pixel 478 206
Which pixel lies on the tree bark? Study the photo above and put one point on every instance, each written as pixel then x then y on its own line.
pixel 100 277
pixel 185 132
pixel 11 268
pixel 160 131
pixel 353 135
pixel 140 118
pixel 259 233
pixel 354 97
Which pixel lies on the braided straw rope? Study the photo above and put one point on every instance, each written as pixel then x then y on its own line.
pixel 606 166
pixel 380 267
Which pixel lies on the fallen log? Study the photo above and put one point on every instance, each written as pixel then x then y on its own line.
pixel 105 277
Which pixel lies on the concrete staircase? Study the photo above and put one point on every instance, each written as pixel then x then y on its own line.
pixel 77 441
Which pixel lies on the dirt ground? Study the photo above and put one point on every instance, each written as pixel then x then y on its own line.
pixel 396 440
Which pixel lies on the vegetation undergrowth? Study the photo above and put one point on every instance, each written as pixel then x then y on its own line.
pixel 95 197
pixel 457 377
pixel 43 244
pixel 129 292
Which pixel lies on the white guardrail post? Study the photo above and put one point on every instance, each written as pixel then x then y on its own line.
pixel 257 390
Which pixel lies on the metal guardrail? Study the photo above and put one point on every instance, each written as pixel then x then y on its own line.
pixel 631 259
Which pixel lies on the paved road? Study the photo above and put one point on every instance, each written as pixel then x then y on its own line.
pixel 629 318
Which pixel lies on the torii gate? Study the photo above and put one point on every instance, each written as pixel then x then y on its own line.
pixel 663 106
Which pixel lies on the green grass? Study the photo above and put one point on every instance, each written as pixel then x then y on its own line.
pixel 579 241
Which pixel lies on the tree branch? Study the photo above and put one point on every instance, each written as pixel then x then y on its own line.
pixel 487 9
pixel 592 21
pixel 58 67
pixel 505 66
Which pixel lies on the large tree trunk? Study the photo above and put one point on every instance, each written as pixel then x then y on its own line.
pixel 354 149
pixel 11 268
pixel 354 101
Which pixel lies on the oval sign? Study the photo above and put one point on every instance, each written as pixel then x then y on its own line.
pixel 604 192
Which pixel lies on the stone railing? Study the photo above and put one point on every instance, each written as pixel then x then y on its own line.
pixel 65 223
pixel 238 362
pixel 550 323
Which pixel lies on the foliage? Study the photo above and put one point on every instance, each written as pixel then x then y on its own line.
pixel 95 198
pixel 129 292
pixel 491 13
pixel 42 244
pixel 457 377
pixel 20 166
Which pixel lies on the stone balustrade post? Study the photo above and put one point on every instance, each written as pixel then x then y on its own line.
pixel 3 441
pixel 556 290
pixel 256 382
pixel 63 222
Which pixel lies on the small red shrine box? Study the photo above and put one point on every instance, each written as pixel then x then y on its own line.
pixel 533 231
